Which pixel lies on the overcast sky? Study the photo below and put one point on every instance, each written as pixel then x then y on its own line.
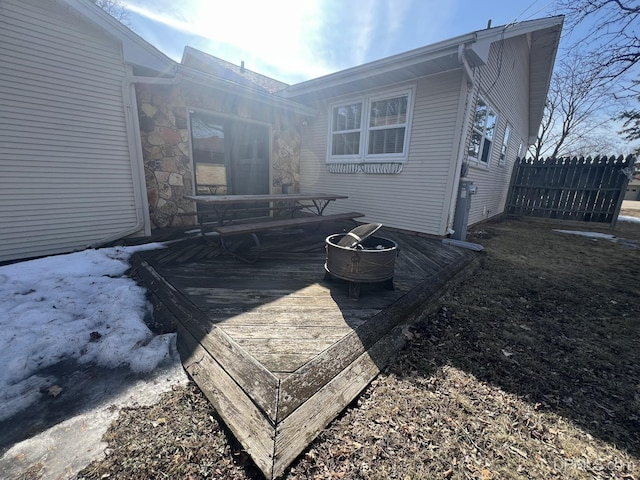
pixel 295 40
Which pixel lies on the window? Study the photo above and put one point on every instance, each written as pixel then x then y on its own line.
pixel 371 129
pixel 345 131
pixel 484 126
pixel 387 125
pixel 505 145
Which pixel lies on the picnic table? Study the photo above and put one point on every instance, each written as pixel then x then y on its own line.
pixel 224 215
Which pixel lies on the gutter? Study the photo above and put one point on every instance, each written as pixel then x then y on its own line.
pixel 366 70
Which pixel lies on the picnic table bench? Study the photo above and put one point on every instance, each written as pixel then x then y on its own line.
pixel 225 206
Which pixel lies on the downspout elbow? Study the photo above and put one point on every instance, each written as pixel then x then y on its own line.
pixel 466 69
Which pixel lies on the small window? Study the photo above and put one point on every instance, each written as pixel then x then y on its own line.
pixel 505 145
pixel 484 126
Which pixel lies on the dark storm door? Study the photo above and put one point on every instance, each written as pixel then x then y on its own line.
pixel 230 157
pixel 249 158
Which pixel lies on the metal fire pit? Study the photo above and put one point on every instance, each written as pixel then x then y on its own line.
pixel 372 260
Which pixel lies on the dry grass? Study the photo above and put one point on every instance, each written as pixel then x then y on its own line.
pixel 531 369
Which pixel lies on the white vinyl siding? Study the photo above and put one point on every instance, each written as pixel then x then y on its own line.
pixel 504 84
pixel 413 199
pixel 418 198
pixel 67 178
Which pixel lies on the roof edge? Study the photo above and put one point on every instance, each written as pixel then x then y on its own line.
pixel 476 44
pixel 257 94
pixel 379 66
pixel 135 49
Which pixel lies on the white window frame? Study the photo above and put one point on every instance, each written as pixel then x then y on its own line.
pixel 504 152
pixel 365 128
pixel 477 161
pixel 346 131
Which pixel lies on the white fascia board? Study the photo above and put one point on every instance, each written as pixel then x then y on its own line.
pixel 477 45
pixel 135 50
pixel 388 64
pixel 478 52
pixel 544 50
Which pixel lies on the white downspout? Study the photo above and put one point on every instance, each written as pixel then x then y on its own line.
pixel 467 74
pixel 132 124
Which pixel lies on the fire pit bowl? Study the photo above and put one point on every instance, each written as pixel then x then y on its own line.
pixel 371 261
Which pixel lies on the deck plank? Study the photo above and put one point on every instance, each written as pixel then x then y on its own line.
pixel 295 389
pixel 245 369
pixel 320 409
pixel 277 348
pixel 249 425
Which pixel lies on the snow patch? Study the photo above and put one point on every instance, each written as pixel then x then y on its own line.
pixel 78 306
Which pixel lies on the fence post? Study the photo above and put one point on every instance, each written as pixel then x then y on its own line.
pixel 630 160
pixel 516 166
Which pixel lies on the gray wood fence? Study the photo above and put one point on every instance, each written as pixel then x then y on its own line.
pixel 579 189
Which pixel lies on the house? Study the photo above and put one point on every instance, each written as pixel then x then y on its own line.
pixel 81 167
pixel 103 135
pixel 396 135
pixel 69 137
pixel 633 188
pixel 399 133
pixel 213 129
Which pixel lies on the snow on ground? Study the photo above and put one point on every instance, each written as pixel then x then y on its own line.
pixel 595 235
pixel 623 218
pixel 78 306
pixel 604 236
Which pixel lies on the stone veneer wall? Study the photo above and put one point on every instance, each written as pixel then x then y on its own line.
pixel 164 129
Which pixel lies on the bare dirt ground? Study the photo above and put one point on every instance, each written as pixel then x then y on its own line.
pixel 531 369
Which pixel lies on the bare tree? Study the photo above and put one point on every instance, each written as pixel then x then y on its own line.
pixel 591 81
pixel 575 110
pixel 116 9
pixel 614 31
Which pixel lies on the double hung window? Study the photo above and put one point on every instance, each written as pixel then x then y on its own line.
pixel 345 132
pixel 374 128
pixel 387 125
pixel 484 128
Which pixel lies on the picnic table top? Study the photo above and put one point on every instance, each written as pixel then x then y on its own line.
pixel 235 199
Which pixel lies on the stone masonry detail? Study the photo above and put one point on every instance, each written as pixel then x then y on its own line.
pixel 164 130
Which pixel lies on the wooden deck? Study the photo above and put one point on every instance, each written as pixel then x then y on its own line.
pixel 278 350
